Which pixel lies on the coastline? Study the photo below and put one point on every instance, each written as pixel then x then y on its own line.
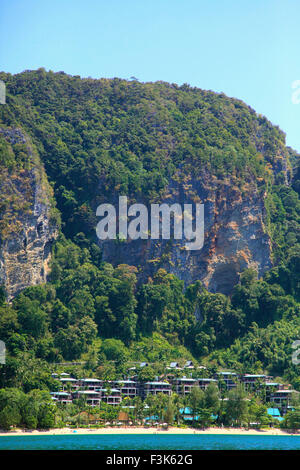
pixel 141 430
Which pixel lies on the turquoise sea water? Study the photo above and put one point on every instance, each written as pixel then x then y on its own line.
pixel 157 442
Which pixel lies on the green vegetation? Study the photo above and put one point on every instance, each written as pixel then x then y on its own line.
pixel 32 410
pixel 97 138
pixel 155 322
pixel 199 409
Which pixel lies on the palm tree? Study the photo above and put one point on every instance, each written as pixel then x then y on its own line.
pixel 178 402
pixel 138 408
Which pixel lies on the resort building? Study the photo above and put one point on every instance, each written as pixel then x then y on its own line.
pixel 270 388
pixel 91 397
pixel 189 365
pixel 128 388
pixel 110 396
pixel 96 391
pixel 230 379
pixel 62 397
pixel 275 413
pixel 153 388
pixel 68 383
pixel 183 385
pixel 283 398
pixel 253 380
pixel 90 384
pixel 204 383
pixel 174 366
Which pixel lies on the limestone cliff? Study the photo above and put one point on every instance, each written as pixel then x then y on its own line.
pixel 236 236
pixel 28 222
pixel 160 142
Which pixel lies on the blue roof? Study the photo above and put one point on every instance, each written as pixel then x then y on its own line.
pixel 125 381
pixel 185 379
pixel 187 410
pixel 152 418
pixel 157 383
pixel 273 412
pixel 226 373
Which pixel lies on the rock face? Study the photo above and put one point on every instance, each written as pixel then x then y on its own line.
pixel 27 227
pixel 235 236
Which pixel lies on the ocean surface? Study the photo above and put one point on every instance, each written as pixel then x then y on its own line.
pixel 144 441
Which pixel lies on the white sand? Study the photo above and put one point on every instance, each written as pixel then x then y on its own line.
pixel 150 430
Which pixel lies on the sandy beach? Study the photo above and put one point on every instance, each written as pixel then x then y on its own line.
pixel 141 430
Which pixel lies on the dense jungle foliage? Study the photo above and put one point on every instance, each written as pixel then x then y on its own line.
pixel 96 137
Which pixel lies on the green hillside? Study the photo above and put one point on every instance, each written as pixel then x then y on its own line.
pixel 99 138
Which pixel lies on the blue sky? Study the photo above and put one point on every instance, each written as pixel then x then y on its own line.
pixel 249 49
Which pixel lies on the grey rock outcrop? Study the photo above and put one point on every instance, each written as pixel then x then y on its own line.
pixel 27 226
pixel 235 236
